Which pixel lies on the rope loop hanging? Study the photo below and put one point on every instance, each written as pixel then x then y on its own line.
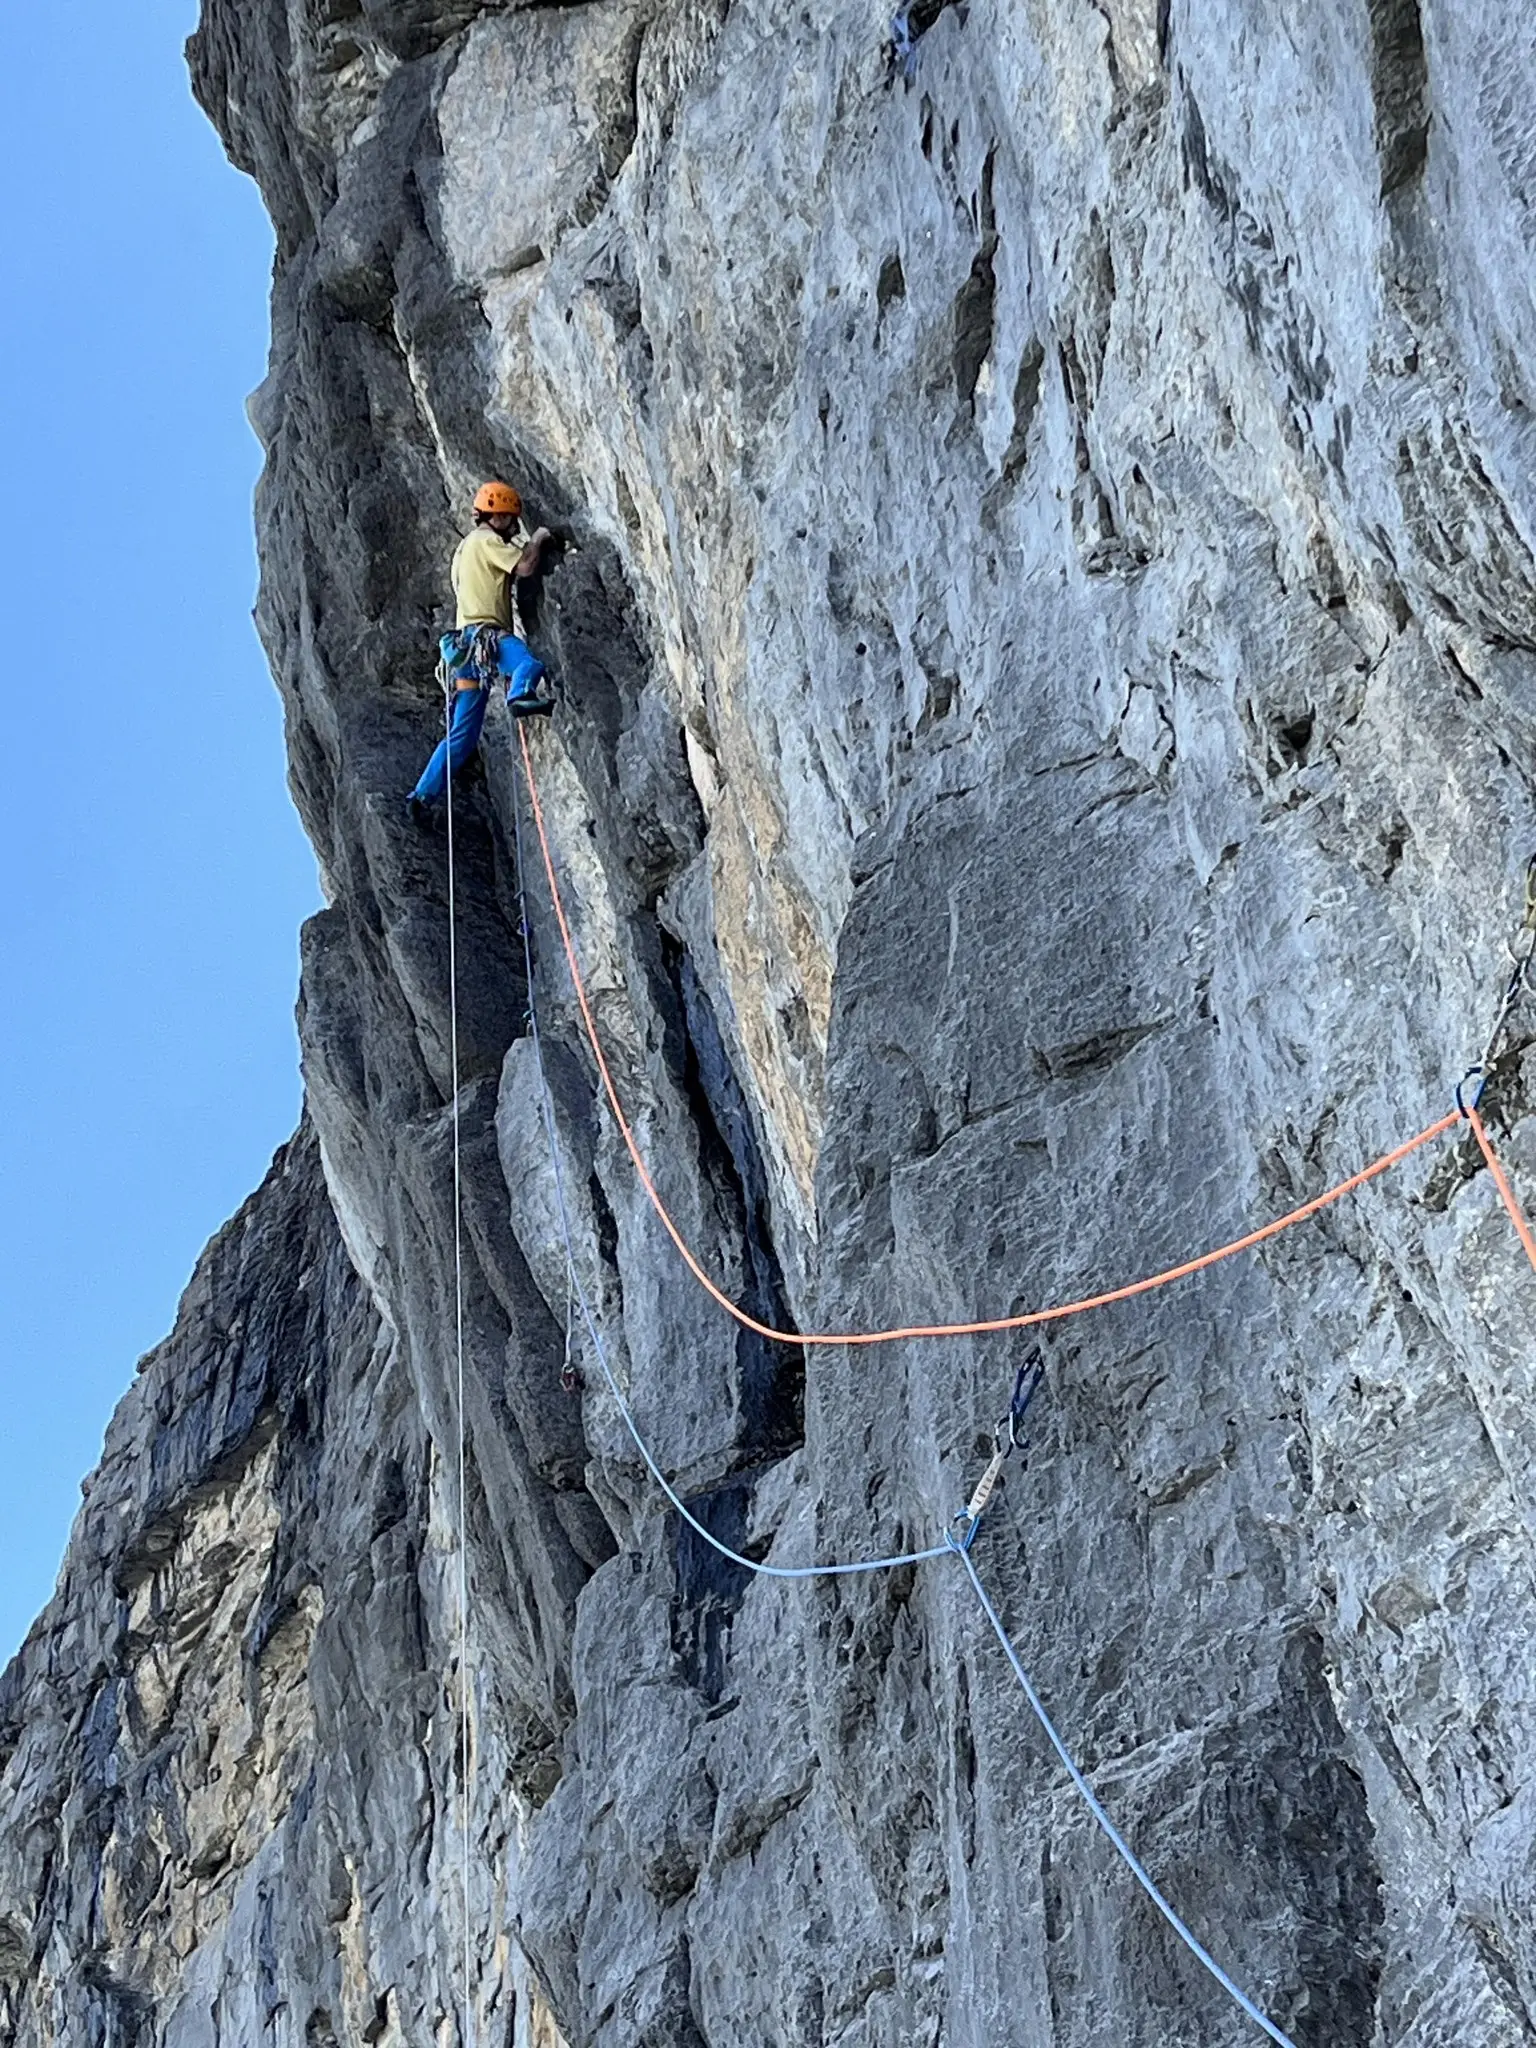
pixel 979 1327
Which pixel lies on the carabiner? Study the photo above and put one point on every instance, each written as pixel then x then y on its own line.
pixel 1026 1385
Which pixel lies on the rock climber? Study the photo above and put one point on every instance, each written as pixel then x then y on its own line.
pixel 495 556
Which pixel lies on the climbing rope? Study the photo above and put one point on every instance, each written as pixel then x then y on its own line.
pixel 570 1377
pixel 1501 1182
pixel 1009 1438
pixel 983 1327
pixel 466 1760
pixel 1469 1090
pixel 962 1549
pixel 576 1288
pixel 961 1535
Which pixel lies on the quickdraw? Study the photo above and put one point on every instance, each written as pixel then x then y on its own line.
pixel 1007 1438
pixel 571 1381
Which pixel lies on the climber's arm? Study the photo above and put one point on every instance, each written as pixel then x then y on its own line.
pixel 528 560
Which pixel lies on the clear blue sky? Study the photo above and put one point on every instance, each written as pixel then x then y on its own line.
pixel 156 875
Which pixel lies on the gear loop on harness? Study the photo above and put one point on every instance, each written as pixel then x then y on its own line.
pixel 471 653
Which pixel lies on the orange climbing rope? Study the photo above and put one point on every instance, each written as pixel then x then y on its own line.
pixel 981 1326
pixel 1500 1181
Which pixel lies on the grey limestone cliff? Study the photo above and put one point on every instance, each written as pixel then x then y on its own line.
pixel 1046 624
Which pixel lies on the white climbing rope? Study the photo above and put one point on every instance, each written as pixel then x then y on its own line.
pixel 1095 1806
pixel 465 1754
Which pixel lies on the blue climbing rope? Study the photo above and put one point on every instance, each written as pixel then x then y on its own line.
pixel 594 1334
pixel 961 1546
pixel 1026 1383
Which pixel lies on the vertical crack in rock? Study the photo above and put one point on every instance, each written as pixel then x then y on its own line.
pixel 977 297
pixel 772 1376
pixel 710 1589
pixel 1400 90
pixel 1026 398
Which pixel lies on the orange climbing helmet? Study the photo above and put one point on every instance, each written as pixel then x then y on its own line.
pixel 494 497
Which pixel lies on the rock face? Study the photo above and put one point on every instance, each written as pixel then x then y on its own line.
pixel 1047 627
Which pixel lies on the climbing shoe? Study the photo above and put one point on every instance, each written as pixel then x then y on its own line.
pixel 419 812
pixel 530 706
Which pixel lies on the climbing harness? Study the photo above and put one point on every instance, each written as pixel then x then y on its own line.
pixel 471 651
pixel 1521 948
pixel 1008 1436
pixel 478 654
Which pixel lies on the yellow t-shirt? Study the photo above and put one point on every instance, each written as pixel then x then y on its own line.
pixel 482 577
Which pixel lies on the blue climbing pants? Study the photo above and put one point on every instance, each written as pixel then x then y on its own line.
pixel 460 744
pixel 523 671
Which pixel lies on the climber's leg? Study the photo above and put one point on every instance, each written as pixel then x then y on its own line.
pixel 457 748
pixel 524 673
